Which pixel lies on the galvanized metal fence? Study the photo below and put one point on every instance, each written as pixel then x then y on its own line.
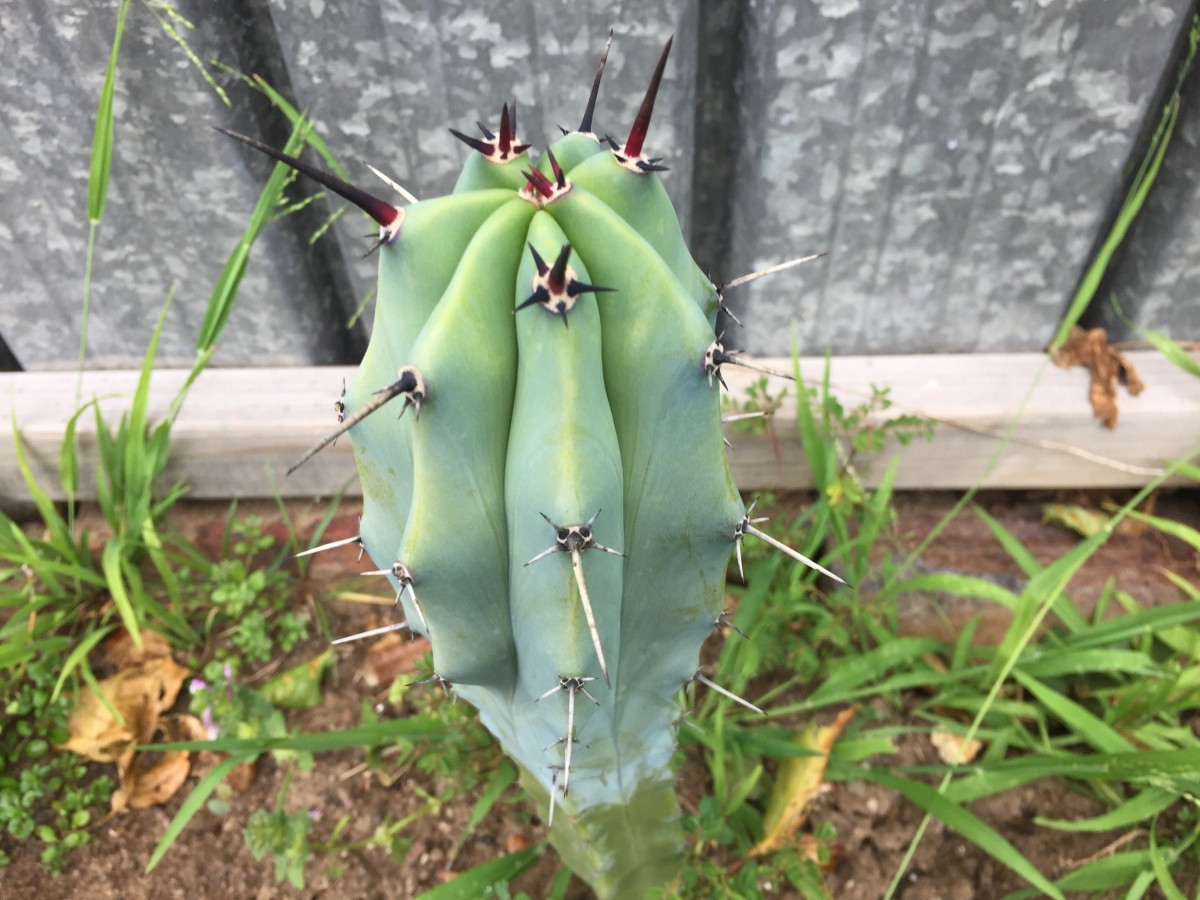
pixel 959 160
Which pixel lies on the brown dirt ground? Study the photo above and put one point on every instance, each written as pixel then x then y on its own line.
pixel 873 826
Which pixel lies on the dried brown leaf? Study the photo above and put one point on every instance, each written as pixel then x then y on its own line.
pixel 151 778
pixel 796 784
pixel 1106 366
pixel 390 657
pixel 138 694
pixel 120 652
pixel 953 749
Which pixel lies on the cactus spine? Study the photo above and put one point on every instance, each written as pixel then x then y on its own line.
pixel 559 497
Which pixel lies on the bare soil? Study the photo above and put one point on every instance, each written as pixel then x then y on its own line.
pixel 874 826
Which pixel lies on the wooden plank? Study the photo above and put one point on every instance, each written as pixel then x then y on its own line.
pixel 242 427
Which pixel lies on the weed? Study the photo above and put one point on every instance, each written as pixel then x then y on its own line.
pixel 43 794
pixel 284 835
pixel 252 601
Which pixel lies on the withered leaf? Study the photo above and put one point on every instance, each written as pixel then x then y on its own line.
pixel 796 784
pixel 1087 522
pixel 149 777
pixel 138 694
pixel 119 651
pixel 1106 367
pixel 953 749
pixel 390 657
pixel 300 686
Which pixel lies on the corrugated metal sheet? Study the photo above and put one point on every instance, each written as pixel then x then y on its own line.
pixel 958 159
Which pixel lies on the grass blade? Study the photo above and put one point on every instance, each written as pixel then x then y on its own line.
pixel 1058 662
pixel 110 565
pixel 498 782
pixel 1162 873
pixel 1172 770
pixel 99 171
pixel 960 586
pixel 76 656
pixel 68 460
pixel 1185 533
pixel 1133 812
pixel 102 137
pixel 1170 349
pixel 412 728
pixel 481 881
pixel 220 303
pixel 1088 726
pixel 192 805
pixel 1135 625
pixel 1011 544
pixel 871 665
pixel 1134 200
pixel 968 825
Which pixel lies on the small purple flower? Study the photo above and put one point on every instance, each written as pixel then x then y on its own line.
pixel 229 681
pixel 209 725
pixel 197 685
pixel 315 813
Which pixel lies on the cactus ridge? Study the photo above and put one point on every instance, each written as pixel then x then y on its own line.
pixel 488 499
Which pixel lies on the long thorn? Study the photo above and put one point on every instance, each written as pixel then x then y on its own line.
pixel 366 634
pixel 409 381
pixel 395 186
pixel 770 270
pixel 347 423
pixel 357 539
pixel 723 621
pixel 577 567
pixel 730 694
pixel 383 213
pixel 554 548
pixel 586 125
pixel 570 737
pixel 417 606
pixel 738 417
pixel 641 124
pixel 799 557
pixel 733 359
pixel 437 678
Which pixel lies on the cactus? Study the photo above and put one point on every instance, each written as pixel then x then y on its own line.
pixel 556 513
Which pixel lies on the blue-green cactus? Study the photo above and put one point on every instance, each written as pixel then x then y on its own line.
pixel 556 514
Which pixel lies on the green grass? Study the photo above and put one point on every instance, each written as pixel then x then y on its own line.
pixel 60 596
pixel 1106 705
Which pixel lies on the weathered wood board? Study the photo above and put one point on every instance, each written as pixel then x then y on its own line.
pixel 240 429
